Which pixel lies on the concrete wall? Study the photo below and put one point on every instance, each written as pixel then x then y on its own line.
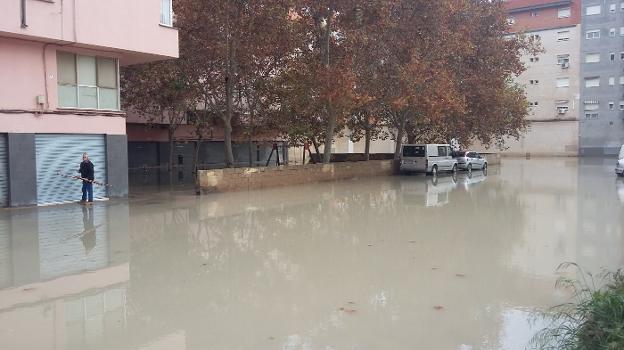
pixel 121 25
pixel 605 134
pixel 238 179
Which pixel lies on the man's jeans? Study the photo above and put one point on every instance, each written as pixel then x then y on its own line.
pixel 87 189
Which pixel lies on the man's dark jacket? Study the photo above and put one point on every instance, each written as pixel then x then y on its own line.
pixel 86 170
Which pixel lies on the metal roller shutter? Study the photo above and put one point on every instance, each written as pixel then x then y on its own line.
pixel 63 153
pixel 4 171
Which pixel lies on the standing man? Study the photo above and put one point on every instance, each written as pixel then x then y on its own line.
pixel 87 173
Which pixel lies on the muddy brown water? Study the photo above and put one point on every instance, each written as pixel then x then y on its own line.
pixel 380 263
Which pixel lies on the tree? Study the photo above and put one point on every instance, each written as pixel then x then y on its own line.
pixel 236 45
pixel 162 93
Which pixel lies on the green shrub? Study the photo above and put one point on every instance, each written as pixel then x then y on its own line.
pixel 595 318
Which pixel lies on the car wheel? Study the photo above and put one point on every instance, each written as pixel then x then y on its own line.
pixel 454 168
pixel 434 170
pixel 469 168
pixel 484 166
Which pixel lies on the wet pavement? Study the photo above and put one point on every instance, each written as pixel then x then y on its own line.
pixel 380 263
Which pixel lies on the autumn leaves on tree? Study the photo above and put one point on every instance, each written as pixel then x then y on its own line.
pixel 308 71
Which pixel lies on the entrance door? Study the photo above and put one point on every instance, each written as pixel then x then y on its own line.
pixel 62 153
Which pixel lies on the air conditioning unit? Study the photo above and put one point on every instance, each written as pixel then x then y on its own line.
pixel 562 110
pixel 565 65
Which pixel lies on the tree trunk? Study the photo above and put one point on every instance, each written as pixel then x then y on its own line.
pixel 197 145
pixel 250 150
pixel 227 143
pixel 367 142
pixel 316 149
pixel 411 138
pixel 399 138
pixel 171 149
pixel 329 134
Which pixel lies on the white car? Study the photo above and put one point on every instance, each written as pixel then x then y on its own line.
pixel 619 167
pixel 429 158
pixel 469 160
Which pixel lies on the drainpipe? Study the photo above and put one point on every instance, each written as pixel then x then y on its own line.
pixel 23 13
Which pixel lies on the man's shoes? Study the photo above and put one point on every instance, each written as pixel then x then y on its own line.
pixel 82 201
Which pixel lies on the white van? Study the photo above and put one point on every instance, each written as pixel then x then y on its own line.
pixel 429 158
pixel 619 168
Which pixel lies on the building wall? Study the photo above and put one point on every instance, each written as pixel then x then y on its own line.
pixel 117 25
pixel 605 134
pixel 546 14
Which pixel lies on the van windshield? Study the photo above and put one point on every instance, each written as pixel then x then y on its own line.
pixel 413 151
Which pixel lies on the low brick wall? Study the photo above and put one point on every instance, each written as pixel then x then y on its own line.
pixel 237 179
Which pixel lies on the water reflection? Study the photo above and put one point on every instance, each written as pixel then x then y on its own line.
pixel 405 262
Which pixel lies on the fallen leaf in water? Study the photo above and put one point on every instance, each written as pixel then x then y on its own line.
pixel 435 268
pixel 271 338
pixel 460 275
pixel 370 245
pixel 28 289
pixel 439 307
pixel 412 241
pixel 350 302
pixel 341 309
pixel 204 264
pixel 350 311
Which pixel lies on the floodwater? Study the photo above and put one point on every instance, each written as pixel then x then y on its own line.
pixel 380 263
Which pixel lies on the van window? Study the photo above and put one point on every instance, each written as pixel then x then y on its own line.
pixel 413 151
pixel 441 151
pixel 621 153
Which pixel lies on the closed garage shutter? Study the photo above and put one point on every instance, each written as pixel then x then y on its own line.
pixel 63 153
pixel 4 171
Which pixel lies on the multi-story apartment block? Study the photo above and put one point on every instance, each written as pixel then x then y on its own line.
pixel 602 77
pixel 551 79
pixel 59 97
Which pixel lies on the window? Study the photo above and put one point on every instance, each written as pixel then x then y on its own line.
pixel 591 115
pixel 534 13
pixel 612 32
pixel 611 105
pixel 622 56
pixel 561 109
pixel 563 82
pixel 511 20
pixel 622 6
pixel 534 59
pixel 592 82
pixel 413 151
pixel 592 10
pixel 534 82
pixel 166 12
pixel 563 60
pixel 611 81
pixel 592 105
pixel 592 57
pixel 533 103
pixel 621 105
pixel 622 31
pixel 612 56
pixel 87 82
pixel 592 34
pixel 622 80
pixel 563 13
pixel 441 151
pixel 563 35
pixel 612 8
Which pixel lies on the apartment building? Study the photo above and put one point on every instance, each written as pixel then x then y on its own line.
pixel 551 79
pixel 602 76
pixel 59 97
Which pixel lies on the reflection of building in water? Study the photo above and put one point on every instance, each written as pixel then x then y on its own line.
pixel 44 255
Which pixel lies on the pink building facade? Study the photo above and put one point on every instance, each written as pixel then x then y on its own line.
pixel 60 97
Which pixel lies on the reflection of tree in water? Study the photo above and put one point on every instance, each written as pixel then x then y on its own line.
pixel 293 264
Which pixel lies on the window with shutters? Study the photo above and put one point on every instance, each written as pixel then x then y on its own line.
pixel 592 57
pixel 592 82
pixel 563 12
pixel 592 34
pixel 563 82
pixel 592 10
pixel 87 82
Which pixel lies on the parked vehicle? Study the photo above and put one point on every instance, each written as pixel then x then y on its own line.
pixel 619 167
pixel 469 160
pixel 430 158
